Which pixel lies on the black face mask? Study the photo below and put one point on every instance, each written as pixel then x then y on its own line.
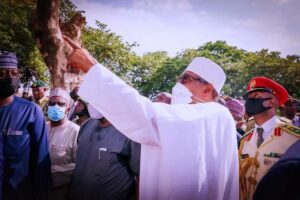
pixel 255 106
pixel 8 86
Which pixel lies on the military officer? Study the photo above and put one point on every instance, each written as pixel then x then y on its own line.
pixel 264 144
pixel 283 179
pixel 38 91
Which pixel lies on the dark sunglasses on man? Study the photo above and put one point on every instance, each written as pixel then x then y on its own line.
pixel 186 77
pixel 60 103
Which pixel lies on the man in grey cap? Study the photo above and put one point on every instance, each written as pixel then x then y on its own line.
pixel 24 158
pixel 62 137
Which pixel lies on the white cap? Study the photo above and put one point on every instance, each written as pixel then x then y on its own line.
pixel 60 93
pixel 208 70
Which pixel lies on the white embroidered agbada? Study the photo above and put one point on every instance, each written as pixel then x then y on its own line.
pixel 189 151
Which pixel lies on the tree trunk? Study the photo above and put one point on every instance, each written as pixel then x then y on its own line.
pixel 45 27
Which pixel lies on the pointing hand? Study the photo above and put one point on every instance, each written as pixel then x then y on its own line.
pixel 80 58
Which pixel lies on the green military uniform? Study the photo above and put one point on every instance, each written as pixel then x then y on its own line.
pixel 42 102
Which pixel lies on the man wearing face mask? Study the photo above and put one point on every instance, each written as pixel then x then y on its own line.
pixel 262 146
pixel 24 158
pixel 62 137
pixel 189 148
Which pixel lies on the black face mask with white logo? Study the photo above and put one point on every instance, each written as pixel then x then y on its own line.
pixel 255 106
pixel 8 86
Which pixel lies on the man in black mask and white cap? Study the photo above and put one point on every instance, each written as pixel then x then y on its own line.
pixel 24 158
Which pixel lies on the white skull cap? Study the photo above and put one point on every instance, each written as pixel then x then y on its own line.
pixel 208 70
pixel 58 92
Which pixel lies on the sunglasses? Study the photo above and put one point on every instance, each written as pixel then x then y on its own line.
pixel 186 77
pixel 53 103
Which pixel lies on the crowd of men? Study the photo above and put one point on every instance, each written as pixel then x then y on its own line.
pixel 192 143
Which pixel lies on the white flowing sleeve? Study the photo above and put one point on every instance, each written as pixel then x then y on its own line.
pixel 131 113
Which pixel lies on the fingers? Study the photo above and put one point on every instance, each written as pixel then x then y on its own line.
pixel 71 42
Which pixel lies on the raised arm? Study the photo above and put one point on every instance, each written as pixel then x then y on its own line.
pixel 122 105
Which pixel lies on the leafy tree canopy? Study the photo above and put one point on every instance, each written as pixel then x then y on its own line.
pixel 153 72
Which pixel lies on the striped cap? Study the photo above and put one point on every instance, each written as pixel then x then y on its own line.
pixel 60 93
pixel 8 60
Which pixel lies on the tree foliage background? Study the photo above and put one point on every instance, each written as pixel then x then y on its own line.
pixel 153 72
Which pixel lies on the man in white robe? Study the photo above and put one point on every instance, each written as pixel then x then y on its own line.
pixel 189 150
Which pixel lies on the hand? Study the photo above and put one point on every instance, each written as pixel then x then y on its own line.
pixel 80 58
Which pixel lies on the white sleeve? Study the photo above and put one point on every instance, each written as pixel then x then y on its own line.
pixel 131 113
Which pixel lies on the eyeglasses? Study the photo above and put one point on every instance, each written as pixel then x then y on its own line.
pixel 13 73
pixel 186 77
pixel 53 103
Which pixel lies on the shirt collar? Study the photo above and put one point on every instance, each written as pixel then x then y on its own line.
pixel 42 99
pixel 267 126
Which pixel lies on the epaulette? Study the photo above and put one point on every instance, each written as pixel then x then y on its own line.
pixel 250 119
pixel 285 120
pixel 247 136
pixel 250 124
pixel 294 130
pixel 277 131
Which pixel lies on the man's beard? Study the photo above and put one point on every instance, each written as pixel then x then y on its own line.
pixel 81 113
pixel 8 87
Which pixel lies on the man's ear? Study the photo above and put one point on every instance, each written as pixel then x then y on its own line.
pixel 275 102
pixel 68 109
pixel 272 103
pixel 208 88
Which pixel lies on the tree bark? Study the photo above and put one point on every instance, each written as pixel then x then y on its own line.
pixel 45 27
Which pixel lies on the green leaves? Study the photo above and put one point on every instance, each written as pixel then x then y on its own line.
pixel 153 72
pixel 109 49
pixel 14 34
pixel 239 65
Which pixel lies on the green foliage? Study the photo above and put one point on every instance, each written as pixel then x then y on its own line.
pixel 239 65
pixel 109 49
pixel 285 71
pixel 67 10
pixel 144 71
pixel 163 79
pixel 153 72
pixel 37 66
pixel 15 35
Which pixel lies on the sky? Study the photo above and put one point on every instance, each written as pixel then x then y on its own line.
pixel 175 25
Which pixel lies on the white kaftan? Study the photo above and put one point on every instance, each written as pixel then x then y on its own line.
pixel 188 151
pixel 62 141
